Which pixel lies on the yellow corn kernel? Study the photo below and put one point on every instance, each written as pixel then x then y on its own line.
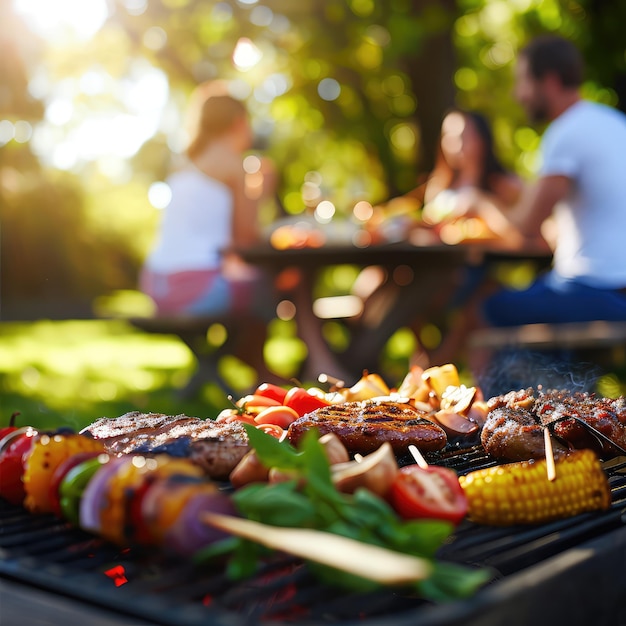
pixel 520 493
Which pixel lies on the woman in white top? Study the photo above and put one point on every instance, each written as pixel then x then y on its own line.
pixel 191 269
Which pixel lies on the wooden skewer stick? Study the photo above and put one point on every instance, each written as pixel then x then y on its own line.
pixel 417 455
pixel 327 378
pixel 355 557
pixel 550 465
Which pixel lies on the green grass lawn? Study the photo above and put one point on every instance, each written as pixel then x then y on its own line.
pixel 69 373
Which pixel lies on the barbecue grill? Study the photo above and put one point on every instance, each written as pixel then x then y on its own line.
pixel 569 571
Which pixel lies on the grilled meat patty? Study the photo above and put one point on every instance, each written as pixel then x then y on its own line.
pixel 216 447
pixel 364 426
pixel 514 426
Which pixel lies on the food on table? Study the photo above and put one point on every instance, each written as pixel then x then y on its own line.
pixel 216 447
pixel 364 426
pixel 520 493
pixel 515 422
pixel 47 452
pixel 432 492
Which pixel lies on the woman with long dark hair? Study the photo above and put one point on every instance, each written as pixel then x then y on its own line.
pixel 466 169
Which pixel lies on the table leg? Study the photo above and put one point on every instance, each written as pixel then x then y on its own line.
pixel 392 307
pixel 206 369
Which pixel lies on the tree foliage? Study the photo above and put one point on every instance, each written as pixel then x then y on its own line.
pixel 353 90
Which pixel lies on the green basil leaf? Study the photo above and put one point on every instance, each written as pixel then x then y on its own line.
pixel 450 581
pixel 278 504
pixel 421 537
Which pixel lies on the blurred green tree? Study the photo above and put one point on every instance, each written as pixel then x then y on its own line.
pixel 353 90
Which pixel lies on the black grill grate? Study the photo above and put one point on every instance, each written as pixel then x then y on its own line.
pixel 43 552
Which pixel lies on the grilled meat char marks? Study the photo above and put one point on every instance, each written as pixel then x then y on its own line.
pixel 513 434
pixel 216 447
pixel 364 426
pixel 514 425
pixel 608 416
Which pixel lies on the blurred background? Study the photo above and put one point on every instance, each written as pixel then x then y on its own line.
pixel 346 97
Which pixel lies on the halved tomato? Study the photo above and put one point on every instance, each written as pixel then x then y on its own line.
pixel 433 492
pixel 281 416
pixel 269 390
pixel 254 404
pixel 303 402
pixel 274 430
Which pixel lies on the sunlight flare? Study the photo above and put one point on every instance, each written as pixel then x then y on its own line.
pixel 53 20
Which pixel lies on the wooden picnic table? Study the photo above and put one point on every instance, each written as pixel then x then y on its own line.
pixel 419 278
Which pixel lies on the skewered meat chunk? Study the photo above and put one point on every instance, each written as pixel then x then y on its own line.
pixel 520 416
pixel 364 426
pixel 513 434
pixel 608 416
pixel 216 447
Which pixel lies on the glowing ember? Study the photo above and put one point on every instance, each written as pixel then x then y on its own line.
pixel 117 574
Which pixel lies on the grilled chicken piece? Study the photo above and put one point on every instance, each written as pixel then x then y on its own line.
pixel 216 447
pixel 364 426
pixel 514 423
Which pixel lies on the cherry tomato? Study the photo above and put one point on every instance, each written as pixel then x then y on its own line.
pixel 433 492
pixel 271 391
pixel 235 415
pixel 253 403
pixel 13 448
pixel 303 402
pixel 272 429
pixel 279 415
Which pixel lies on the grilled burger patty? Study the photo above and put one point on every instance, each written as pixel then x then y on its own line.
pixel 364 426
pixel 216 447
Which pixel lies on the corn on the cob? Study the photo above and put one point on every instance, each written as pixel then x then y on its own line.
pixel 520 493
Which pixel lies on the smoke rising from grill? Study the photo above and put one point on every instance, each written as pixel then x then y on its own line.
pixel 517 369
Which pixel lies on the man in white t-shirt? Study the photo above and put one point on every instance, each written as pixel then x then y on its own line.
pixel 582 185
